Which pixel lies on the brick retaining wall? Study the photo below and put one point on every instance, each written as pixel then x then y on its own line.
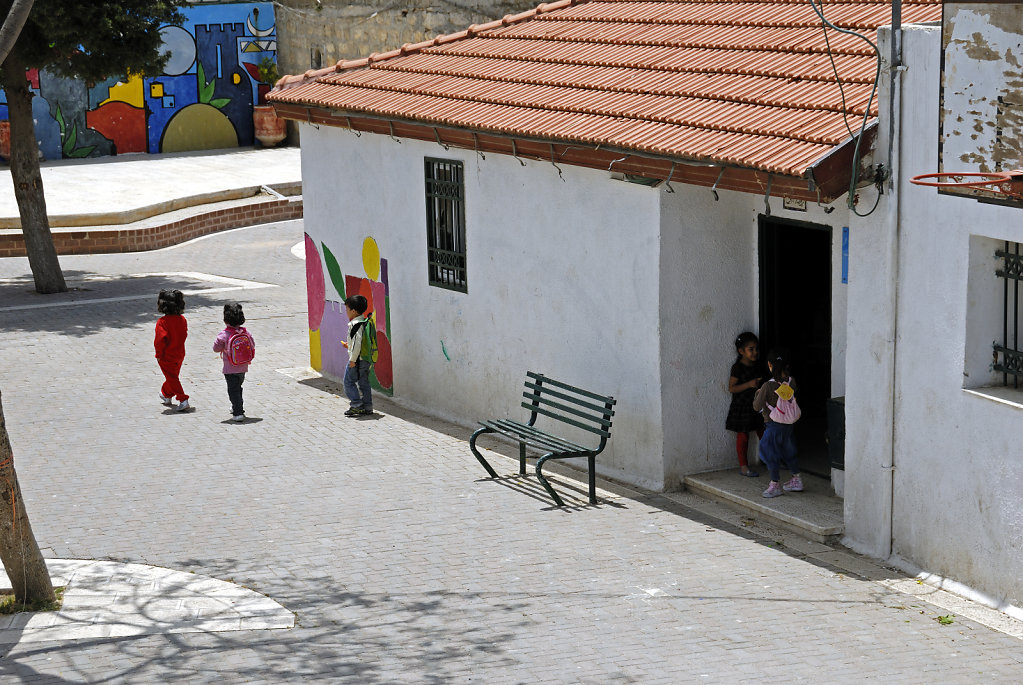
pixel 103 240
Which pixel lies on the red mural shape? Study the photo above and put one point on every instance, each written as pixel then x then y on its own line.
pixel 367 288
pixel 315 287
pixel 382 369
pixel 360 286
pixel 120 122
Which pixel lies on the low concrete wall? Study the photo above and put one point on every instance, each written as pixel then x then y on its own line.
pixel 105 240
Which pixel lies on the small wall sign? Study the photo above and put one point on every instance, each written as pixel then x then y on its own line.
pixel 845 254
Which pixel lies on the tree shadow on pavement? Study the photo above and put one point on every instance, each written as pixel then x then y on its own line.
pixel 413 632
pixel 96 302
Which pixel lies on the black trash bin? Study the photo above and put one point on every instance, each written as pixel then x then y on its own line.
pixel 836 432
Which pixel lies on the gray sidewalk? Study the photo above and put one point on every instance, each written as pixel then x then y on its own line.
pixel 401 562
pixel 89 191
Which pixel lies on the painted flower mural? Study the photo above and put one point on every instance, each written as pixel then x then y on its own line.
pixel 316 294
pixel 328 323
pixel 203 100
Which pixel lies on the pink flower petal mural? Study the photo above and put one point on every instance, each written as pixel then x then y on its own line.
pixel 315 287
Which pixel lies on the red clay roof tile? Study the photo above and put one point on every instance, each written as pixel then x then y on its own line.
pixel 750 84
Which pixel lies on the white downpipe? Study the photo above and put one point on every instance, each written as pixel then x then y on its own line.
pixel 895 163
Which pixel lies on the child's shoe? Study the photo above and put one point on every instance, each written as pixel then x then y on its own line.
pixel 166 400
pixel 239 418
pixel 773 489
pixel 795 484
pixel 184 406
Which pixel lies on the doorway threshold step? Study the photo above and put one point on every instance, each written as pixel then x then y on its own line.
pixel 815 513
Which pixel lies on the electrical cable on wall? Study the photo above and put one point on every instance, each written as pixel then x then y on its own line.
pixel 851 202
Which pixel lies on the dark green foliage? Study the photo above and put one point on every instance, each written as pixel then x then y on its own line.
pixel 95 39
pixel 267 70
pixel 206 89
pixel 69 139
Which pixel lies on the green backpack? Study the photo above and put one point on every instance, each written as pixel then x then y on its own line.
pixel 369 350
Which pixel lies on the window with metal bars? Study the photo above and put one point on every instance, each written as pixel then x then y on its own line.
pixel 1008 356
pixel 445 224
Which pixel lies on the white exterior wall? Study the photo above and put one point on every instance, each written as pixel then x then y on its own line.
pixel 954 505
pixel 562 279
pixel 710 285
pixel 613 286
pixel 709 295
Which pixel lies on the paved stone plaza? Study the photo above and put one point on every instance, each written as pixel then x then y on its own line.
pixel 400 562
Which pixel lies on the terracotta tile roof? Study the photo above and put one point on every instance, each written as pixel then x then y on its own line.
pixel 746 84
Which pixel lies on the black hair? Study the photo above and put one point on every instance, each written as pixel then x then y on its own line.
pixel 170 302
pixel 745 338
pixel 233 315
pixel 780 363
pixel 357 303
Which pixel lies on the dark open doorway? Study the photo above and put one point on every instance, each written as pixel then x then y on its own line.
pixel 795 313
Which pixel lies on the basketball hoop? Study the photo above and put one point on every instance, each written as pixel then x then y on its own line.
pixel 1008 183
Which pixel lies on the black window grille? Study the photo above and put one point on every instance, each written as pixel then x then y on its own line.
pixel 1008 357
pixel 445 224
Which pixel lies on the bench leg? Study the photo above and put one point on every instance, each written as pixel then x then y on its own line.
pixel 593 479
pixel 543 481
pixel 476 453
pixel 522 458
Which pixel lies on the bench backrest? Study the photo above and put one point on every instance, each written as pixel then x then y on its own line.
pixel 569 404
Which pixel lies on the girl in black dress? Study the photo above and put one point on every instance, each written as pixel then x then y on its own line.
pixel 743 380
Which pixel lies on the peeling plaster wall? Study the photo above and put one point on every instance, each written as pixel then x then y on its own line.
pixel 954 502
pixel 562 279
pixel 982 87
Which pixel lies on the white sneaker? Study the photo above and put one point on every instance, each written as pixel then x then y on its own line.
pixel 166 400
pixel 184 406
pixel 239 418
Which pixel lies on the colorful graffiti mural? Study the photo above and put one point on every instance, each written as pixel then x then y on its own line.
pixel 328 323
pixel 202 101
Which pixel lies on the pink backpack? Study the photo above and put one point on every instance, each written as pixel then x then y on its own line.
pixel 240 348
pixel 786 411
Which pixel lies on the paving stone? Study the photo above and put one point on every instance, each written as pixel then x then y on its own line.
pixel 400 560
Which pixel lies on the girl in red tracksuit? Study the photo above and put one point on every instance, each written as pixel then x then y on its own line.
pixel 171 331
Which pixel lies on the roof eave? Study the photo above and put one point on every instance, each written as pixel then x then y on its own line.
pixel 717 175
pixel 832 175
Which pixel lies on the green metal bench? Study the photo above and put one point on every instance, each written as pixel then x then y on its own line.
pixel 562 402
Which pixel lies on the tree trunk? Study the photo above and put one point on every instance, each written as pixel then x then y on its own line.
pixel 19 551
pixel 13 24
pixel 28 181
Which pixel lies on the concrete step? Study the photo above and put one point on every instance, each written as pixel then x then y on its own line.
pixel 816 512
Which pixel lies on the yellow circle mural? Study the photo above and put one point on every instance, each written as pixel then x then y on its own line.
pixel 371 259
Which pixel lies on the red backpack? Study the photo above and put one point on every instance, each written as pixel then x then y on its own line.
pixel 240 348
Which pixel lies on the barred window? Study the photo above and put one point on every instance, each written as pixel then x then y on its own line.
pixel 445 224
pixel 1008 356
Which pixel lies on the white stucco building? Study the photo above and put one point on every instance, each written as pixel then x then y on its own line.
pixel 630 290
pixel 933 433
pixel 616 253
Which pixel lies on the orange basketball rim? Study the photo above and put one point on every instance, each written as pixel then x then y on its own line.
pixel 1009 183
